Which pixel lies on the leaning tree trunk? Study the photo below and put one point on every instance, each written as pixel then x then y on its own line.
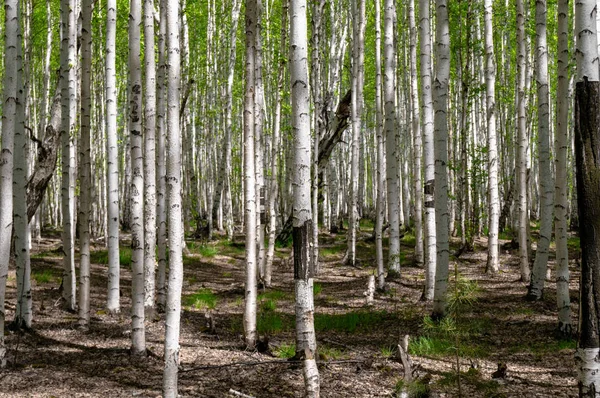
pixel 540 265
pixel 306 342
pixel 587 147
pixel 249 180
pixel 173 302
pixel 494 199
pixel 112 162
pixel 561 202
pixel 522 146
pixel 427 104
pixel 392 172
pixel 69 113
pixel 138 331
pixel 85 162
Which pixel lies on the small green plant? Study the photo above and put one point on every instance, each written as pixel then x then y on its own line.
pixel 329 353
pixel 350 321
pixel 268 305
pixel 285 351
pixel 101 256
pixel 387 351
pixel 203 299
pixel 409 240
pixel 317 289
pixel 270 323
pixel 573 243
pixel 414 389
pixel 207 251
pixel 275 295
pixel 227 274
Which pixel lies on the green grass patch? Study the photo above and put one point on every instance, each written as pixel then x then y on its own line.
pixel 233 248
pixel 332 251
pixel 415 388
pixel 327 353
pixel 317 287
pixel 472 377
pixel 507 234
pixel 49 253
pixel 43 276
pixel 408 239
pixel 101 256
pixel 203 299
pixel 573 243
pixel 350 322
pixel 274 295
pixel 285 351
pixel 227 274
pixel 367 224
pixel 268 305
pixel 202 249
pixel 387 351
pixel 271 322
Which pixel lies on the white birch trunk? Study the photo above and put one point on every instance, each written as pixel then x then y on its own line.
pixel 173 176
pixel 161 167
pixel 490 86
pixel 440 104
pixel 391 147
pixel 9 120
pixel 69 113
pixel 561 202
pixel 429 158
pixel 249 180
pixel 306 344
pixel 149 161
pixel 112 161
pixel 417 138
pixel 85 162
pixel 522 146
pixel 538 274
pixel 380 208
pixel 138 338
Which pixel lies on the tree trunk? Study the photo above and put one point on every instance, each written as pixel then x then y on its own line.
pixel 427 104
pixel 138 331
pixel 538 274
pixel 379 212
pixel 112 161
pixel 306 343
pixel 173 176
pixel 85 162
pixel 561 202
pixel 587 146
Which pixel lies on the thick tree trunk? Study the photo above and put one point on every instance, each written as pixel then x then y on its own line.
pixel 85 162
pixel 379 212
pixel 587 147
pixel 440 104
pixel 138 331
pixel 173 303
pixel 112 162
pixel 306 344
pixel 561 202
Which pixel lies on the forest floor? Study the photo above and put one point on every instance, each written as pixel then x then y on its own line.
pixel 357 343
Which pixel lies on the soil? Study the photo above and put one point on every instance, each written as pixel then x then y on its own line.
pixel 358 343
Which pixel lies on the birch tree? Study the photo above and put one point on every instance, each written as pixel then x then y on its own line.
pixel 138 331
pixel 587 146
pixel 440 104
pixel 490 89
pixel 85 162
pixel 249 180
pixel 69 113
pixel 173 303
pixel 112 161
pixel 149 160
pixel 522 143
pixel 540 265
pixel 379 216
pixel 9 118
pixel 304 270
pixel 392 174
pixel 565 327
pixel 427 126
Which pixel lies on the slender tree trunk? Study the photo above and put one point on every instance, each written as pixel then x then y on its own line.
pixel 522 146
pixel 440 104
pixel 69 109
pixel 417 138
pixel 161 167
pixel 306 343
pixel 249 179
pixel 561 202
pixel 379 212
pixel 587 125
pixel 112 161
pixel 85 162
pixel 538 274
pixel 149 161
pixel 138 331
pixel 490 86
pixel 173 304
pixel 391 168
pixel 427 104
